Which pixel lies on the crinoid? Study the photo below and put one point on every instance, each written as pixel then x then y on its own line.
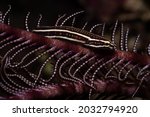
pixel 64 62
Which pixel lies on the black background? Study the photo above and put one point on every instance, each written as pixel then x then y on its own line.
pixel 50 9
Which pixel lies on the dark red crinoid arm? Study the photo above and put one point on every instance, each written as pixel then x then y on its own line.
pixel 35 67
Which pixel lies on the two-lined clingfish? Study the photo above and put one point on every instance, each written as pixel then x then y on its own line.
pixel 77 35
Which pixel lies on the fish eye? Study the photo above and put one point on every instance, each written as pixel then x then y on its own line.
pixel 97 44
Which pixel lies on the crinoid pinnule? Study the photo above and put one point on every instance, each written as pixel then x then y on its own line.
pixel 65 62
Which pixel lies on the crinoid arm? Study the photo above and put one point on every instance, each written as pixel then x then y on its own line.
pixel 68 62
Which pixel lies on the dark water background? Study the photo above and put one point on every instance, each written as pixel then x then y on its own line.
pixel 134 13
